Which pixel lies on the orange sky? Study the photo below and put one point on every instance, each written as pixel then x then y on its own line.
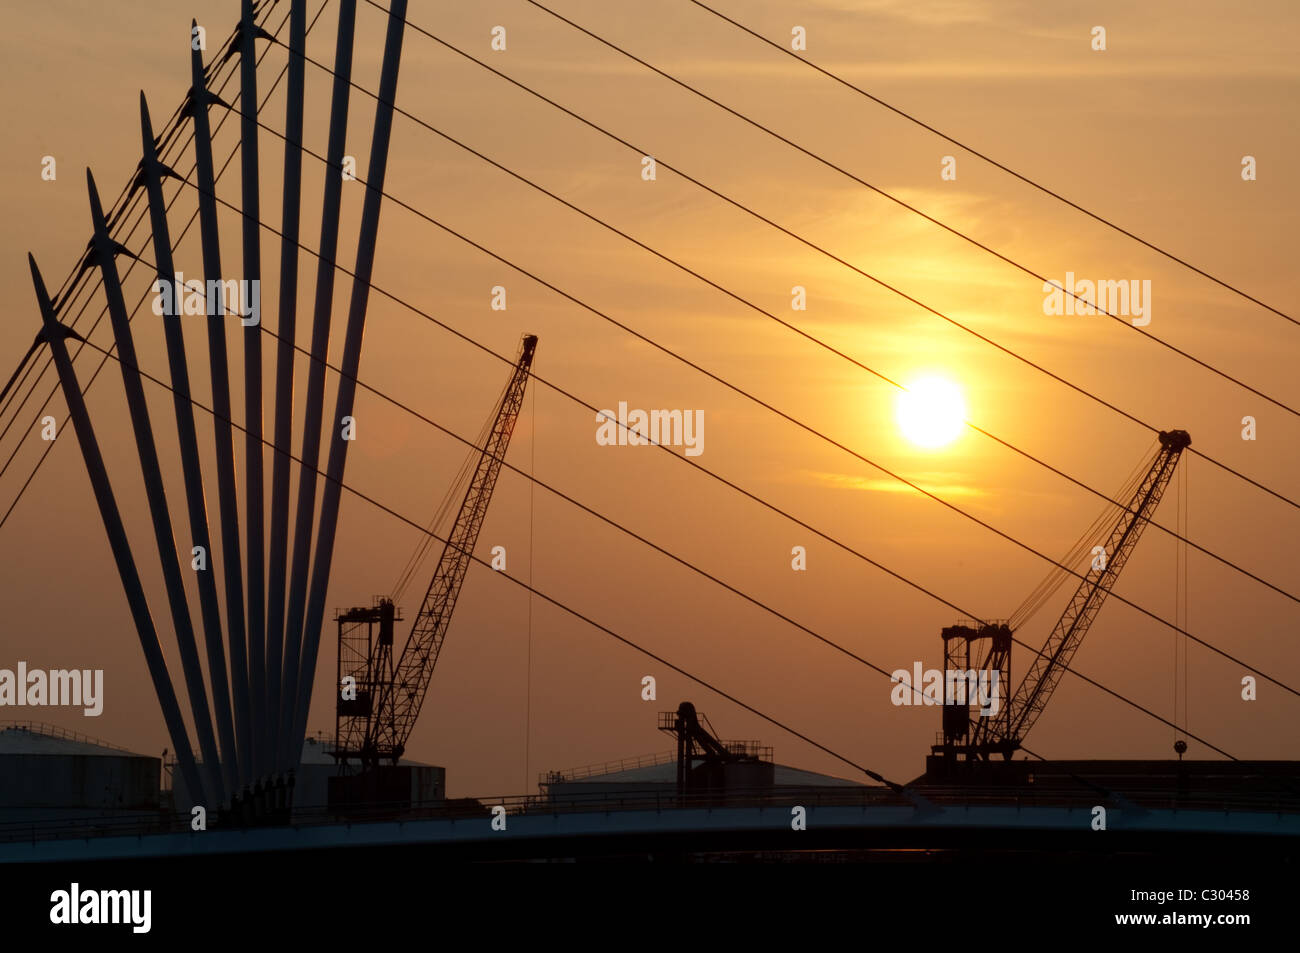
pixel 1150 133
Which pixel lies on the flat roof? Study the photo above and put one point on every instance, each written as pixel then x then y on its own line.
pixel 36 738
pixel 667 774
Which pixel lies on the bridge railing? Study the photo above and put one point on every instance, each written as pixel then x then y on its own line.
pixel 650 799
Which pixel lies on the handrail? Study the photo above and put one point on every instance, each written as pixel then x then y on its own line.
pixel 54 731
pixel 159 822
pixel 608 767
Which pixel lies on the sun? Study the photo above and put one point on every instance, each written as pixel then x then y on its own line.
pixel 931 412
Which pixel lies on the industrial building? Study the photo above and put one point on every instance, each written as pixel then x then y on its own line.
pixel 51 774
pixel 655 776
pixel 702 769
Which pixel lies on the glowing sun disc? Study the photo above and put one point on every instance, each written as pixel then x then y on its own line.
pixel 931 412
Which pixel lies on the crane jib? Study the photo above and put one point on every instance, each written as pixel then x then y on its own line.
pixel 979 737
pixel 378 721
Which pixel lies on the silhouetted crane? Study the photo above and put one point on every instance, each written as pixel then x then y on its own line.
pixel 973 735
pixel 375 720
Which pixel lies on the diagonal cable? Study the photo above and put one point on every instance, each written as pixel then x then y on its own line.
pixel 767 406
pixel 1009 352
pixel 807 335
pixel 971 150
pixel 410 522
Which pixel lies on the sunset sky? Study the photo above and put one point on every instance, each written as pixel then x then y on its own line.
pixel 1150 134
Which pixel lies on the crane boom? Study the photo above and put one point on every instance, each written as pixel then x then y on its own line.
pixel 402 695
pixel 1045 671
pixel 1004 734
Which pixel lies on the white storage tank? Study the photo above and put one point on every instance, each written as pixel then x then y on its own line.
pixel 49 773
